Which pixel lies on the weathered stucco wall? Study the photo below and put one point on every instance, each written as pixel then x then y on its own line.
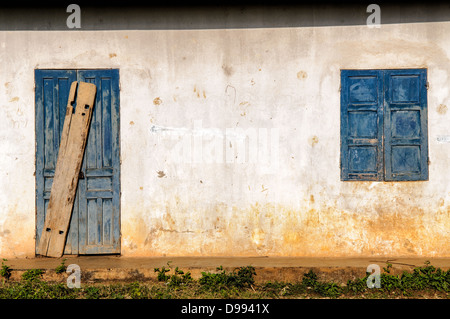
pixel 180 92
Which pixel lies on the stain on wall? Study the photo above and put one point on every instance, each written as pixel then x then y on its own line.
pixel 302 75
pixel 442 109
pixel 313 140
pixel 157 101
pixel 227 70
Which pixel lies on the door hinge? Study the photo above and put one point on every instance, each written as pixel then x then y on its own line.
pixel 427 85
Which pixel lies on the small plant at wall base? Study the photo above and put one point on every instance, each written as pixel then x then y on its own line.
pixel 61 268
pixel 178 278
pixel 162 273
pixel 5 272
pixel 32 275
pixel 243 278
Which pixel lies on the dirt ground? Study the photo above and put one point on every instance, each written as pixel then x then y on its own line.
pixel 126 269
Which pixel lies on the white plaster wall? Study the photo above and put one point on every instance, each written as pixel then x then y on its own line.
pixel 201 82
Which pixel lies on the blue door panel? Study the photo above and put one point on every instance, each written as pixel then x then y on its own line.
pixel 101 214
pixel 52 91
pixel 95 223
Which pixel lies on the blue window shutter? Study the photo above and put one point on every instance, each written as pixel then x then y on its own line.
pixel 405 129
pixel 361 125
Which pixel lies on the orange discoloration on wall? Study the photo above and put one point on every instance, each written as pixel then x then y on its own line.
pixel 277 230
pixel 17 235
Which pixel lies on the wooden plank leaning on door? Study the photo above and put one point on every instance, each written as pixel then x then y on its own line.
pixel 70 157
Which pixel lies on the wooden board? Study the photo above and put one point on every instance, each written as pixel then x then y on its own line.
pixel 67 120
pixel 70 157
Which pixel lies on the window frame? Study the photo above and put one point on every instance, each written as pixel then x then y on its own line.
pixel 383 143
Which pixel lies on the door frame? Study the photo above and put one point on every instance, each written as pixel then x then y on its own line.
pixel 39 175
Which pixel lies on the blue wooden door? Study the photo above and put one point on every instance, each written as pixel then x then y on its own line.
pixel 95 222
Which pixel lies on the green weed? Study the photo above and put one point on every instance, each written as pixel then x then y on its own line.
pixel 162 273
pixel 222 280
pixel 281 289
pixel 92 292
pixel 175 280
pixel 32 274
pixel 5 272
pixel 356 286
pixel 61 268
pixel 324 289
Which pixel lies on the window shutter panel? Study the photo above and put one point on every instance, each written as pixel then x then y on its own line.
pixel 405 128
pixel 361 125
